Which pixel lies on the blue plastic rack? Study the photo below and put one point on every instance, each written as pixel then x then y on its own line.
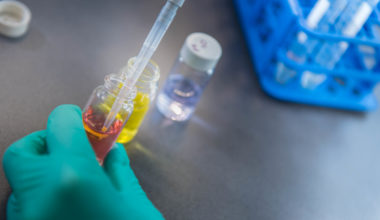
pixel 271 25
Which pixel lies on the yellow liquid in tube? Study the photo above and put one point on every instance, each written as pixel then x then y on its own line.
pixel 140 108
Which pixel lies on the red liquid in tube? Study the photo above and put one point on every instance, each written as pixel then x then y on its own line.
pixel 101 141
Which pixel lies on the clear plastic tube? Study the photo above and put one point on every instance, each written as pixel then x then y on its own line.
pixel 302 45
pixel 349 25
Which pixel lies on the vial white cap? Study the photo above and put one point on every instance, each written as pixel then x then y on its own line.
pixel 178 2
pixel 201 51
pixel 14 18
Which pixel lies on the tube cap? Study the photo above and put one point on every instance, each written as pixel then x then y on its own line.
pixel 201 51
pixel 14 18
pixel 178 2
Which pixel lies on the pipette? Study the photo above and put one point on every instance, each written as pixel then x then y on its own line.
pixel 150 45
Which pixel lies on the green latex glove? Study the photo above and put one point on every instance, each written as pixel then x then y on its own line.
pixel 54 175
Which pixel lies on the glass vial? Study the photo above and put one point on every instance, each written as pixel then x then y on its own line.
pixel 96 111
pixel 189 76
pixel 146 87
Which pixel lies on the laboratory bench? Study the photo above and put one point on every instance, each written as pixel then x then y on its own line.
pixel 243 155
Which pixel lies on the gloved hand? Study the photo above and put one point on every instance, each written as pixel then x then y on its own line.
pixel 54 175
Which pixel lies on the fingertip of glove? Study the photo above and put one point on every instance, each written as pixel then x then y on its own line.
pixel 65 115
pixel 119 147
pixel 117 155
pixel 67 108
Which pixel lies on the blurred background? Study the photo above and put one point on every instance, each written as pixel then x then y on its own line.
pixel 243 154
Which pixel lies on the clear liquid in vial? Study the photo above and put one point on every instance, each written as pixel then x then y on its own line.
pixel 179 97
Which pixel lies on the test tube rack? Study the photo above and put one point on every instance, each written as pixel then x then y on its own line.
pixel 271 25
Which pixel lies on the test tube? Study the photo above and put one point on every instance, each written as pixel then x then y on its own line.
pixel 350 23
pixel 146 86
pixel 96 111
pixel 302 45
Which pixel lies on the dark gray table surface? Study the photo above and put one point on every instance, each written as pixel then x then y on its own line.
pixel 242 156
